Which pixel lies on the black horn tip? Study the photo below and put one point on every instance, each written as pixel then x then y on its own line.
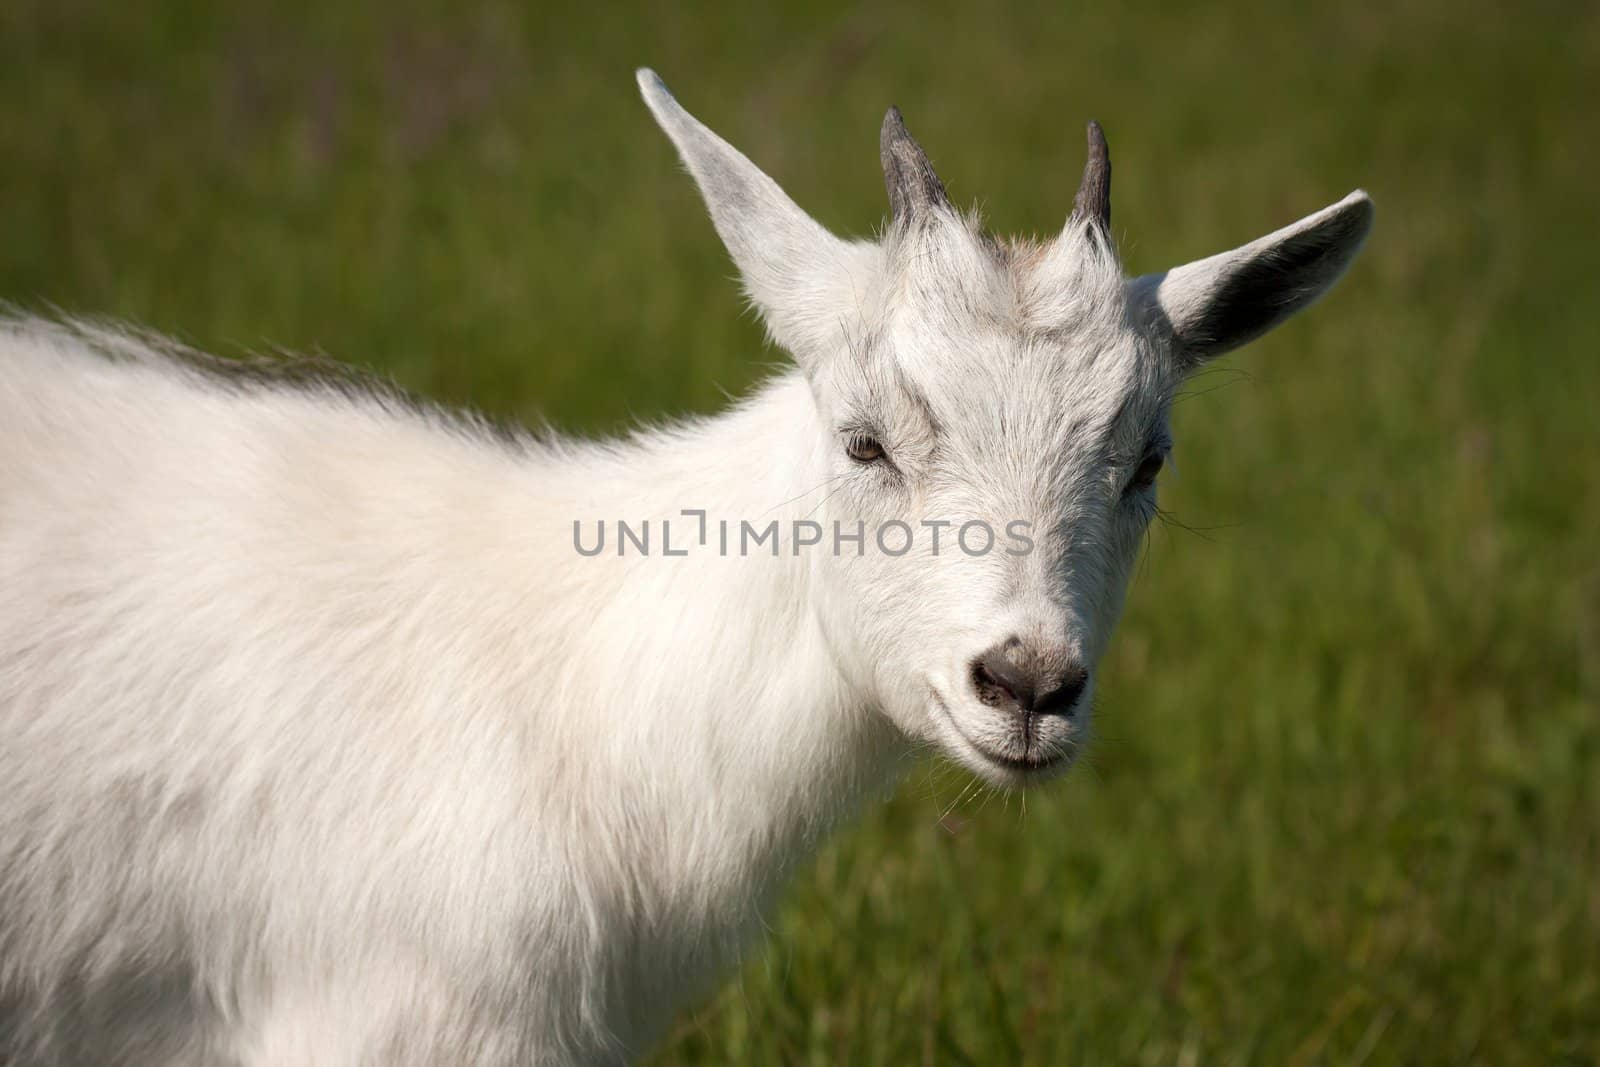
pixel 894 129
pixel 1097 139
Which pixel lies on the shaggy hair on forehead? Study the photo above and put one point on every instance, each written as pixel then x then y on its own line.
pixel 1050 290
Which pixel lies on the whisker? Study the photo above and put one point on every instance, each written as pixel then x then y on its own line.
pixel 1171 520
pixel 808 492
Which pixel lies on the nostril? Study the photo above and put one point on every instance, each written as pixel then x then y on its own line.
pixel 1061 699
pixel 988 687
pixel 1001 683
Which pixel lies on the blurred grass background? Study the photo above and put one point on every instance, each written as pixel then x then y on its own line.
pixel 1345 805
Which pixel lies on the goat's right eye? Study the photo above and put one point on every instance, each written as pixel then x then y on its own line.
pixel 1145 476
pixel 864 448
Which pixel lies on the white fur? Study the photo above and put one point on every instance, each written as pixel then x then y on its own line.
pixel 321 744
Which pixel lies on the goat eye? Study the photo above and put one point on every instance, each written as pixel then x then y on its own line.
pixel 864 448
pixel 1145 476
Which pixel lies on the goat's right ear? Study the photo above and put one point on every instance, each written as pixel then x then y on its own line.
pixel 1217 304
pixel 795 272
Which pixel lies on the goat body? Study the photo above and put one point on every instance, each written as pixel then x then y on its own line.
pixel 325 738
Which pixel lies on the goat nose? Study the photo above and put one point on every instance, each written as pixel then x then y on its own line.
pixel 1038 682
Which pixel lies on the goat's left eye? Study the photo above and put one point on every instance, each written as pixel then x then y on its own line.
pixel 864 448
pixel 1145 476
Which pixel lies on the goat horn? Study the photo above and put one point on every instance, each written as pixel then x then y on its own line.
pixel 1093 201
pixel 913 186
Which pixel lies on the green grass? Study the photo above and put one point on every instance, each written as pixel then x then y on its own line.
pixel 1346 802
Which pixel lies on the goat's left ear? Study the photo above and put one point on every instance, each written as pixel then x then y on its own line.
pixel 1217 304
pixel 798 275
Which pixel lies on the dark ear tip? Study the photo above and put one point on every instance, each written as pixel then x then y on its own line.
pixel 1354 215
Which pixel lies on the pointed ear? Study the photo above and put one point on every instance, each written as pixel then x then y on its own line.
pixel 796 273
pixel 1217 304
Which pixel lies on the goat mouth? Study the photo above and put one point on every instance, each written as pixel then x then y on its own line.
pixel 1035 760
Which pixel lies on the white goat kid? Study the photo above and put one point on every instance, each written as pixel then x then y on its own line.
pixel 322 742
